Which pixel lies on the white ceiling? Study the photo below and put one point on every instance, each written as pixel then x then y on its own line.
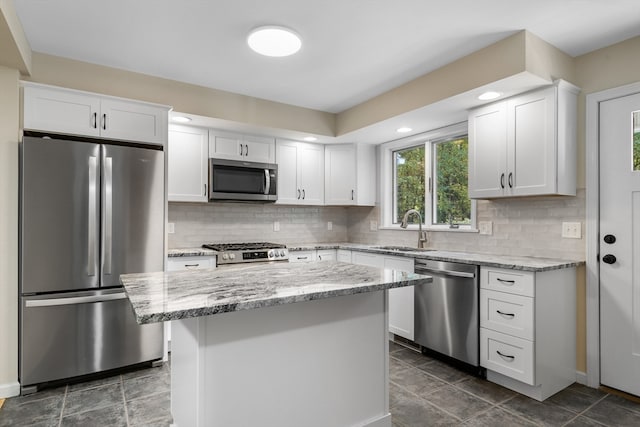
pixel 352 50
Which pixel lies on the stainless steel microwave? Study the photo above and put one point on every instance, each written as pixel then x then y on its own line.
pixel 236 180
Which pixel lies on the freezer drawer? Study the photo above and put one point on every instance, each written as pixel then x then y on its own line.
pixel 82 333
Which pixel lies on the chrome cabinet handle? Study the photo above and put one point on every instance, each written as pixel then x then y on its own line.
pixel 352 194
pixel 303 194
pixel 508 282
pixel 506 356
pixel 298 194
pixel 241 150
pixel 104 121
pixel 191 265
pixel 93 216
pixel 95 120
pixel 302 257
pixel 505 314
pixel 205 189
pixel 246 150
pixel 502 181
pixel 510 180
pixel 108 213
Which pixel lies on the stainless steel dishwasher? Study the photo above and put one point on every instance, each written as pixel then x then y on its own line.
pixel 446 310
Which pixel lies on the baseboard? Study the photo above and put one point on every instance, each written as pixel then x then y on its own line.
pixel 581 377
pixel 9 389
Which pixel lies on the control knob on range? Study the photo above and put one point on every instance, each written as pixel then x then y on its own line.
pixel 270 254
pixel 281 253
pixel 225 256
pixel 232 256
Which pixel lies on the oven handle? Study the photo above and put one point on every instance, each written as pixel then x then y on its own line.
pixel 445 272
pixel 267 179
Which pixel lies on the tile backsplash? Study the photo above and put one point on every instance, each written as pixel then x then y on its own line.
pixel 521 226
pixel 197 223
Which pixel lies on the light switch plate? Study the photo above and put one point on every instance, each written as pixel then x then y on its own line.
pixel 572 230
pixel 485 227
pixel 373 225
pixel 276 225
pixel 171 227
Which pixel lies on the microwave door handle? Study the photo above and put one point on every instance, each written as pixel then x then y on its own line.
pixel 267 181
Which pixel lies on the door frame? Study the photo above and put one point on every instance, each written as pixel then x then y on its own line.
pixel 592 141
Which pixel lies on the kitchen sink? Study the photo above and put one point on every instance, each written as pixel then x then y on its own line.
pixel 400 248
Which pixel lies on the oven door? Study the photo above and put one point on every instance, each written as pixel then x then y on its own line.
pixel 232 180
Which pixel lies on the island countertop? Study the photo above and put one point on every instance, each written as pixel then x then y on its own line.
pixel 163 296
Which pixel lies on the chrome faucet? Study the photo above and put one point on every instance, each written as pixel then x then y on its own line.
pixel 422 235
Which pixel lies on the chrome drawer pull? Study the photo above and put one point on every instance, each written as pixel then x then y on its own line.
pixel 506 356
pixel 510 282
pixel 191 265
pixel 505 314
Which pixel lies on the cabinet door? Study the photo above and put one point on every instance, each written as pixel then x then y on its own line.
pixel 366 175
pixel 488 151
pixel 531 143
pixel 343 255
pixel 61 111
pixel 364 258
pixel 187 164
pixel 259 149
pixel 326 255
pixel 303 256
pixel 132 121
pixel 401 300
pixel 225 145
pixel 340 174
pixel 311 173
pixel 287 160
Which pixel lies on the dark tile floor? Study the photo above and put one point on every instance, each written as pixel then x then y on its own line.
pixel 423 392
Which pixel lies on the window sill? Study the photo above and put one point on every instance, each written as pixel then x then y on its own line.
pixel 430 229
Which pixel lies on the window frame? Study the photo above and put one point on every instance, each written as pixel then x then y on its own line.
pixel 387 178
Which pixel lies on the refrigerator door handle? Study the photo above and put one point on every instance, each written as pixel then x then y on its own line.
pixel 49 302
pixel 108 214
pixel 93 215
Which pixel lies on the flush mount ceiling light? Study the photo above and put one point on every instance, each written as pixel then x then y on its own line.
pixel 488 96
pixel 274 41
pixel 310 138
pixel 181 119
pixel 403 129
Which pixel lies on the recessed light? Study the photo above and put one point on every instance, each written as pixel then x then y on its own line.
pixel 181 119
pixel 310 138
pixel 274 41
pixel 403 130
pixel 489 95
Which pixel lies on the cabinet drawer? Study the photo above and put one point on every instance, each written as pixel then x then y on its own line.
pixel 507 355
pixel 302 256
pixel 507 313
pixel 190 263
pixel 326 255
pixel 503 280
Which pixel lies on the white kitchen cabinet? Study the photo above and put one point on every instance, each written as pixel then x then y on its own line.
pixel 187 156
pixel 67 111
pixel 350 175
pixel 303 256
pixel 528 329
pixel 326 255
pixel 232 146
pixel 525 145
pixel 401 300
pixel 300 173
pixel 343 255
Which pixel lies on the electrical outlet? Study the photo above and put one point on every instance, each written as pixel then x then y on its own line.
pixel 485 227
pixel 276 225
pixel 572 230
pixel 373 225
pixel 171 227
pixel 329 225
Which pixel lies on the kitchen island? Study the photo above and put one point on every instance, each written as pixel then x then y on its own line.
pixel 275 344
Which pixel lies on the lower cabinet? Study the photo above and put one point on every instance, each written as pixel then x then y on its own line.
pixel 528 329
pixel 303 256
pixel 401 300
pixel 182 263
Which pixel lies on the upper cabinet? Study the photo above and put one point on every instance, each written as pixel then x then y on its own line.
pixel 187 168
pixel 300 173
pixel 525 145
pixel 225 145
pixel 350 175
pixel 53 109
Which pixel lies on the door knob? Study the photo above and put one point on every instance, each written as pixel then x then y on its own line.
pixel 609 259
pixel 610 239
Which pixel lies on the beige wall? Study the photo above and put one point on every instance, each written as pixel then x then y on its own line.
pixel 9 137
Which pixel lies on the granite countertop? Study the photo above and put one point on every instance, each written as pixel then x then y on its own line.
pixel 158 297
pixel 487 260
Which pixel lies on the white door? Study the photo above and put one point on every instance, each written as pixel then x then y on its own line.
pixel 401 301
pixel 339 174
pixel 311 173
pixel 259 149
pixel 488 151
pixel 187 168
pixel 619 259
pixel 287 160
pixel 132 121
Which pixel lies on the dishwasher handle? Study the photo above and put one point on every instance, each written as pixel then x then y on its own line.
pixel 441 272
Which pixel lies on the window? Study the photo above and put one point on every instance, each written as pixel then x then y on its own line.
pixel 428 173
pixel 636 140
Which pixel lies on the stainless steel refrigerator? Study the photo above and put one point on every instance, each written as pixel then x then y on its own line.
pixel 89 211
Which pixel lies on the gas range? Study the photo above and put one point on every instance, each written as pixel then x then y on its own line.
pixel 234 253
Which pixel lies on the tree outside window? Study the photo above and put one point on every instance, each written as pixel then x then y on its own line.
pixel 452 204
pixel 409 181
